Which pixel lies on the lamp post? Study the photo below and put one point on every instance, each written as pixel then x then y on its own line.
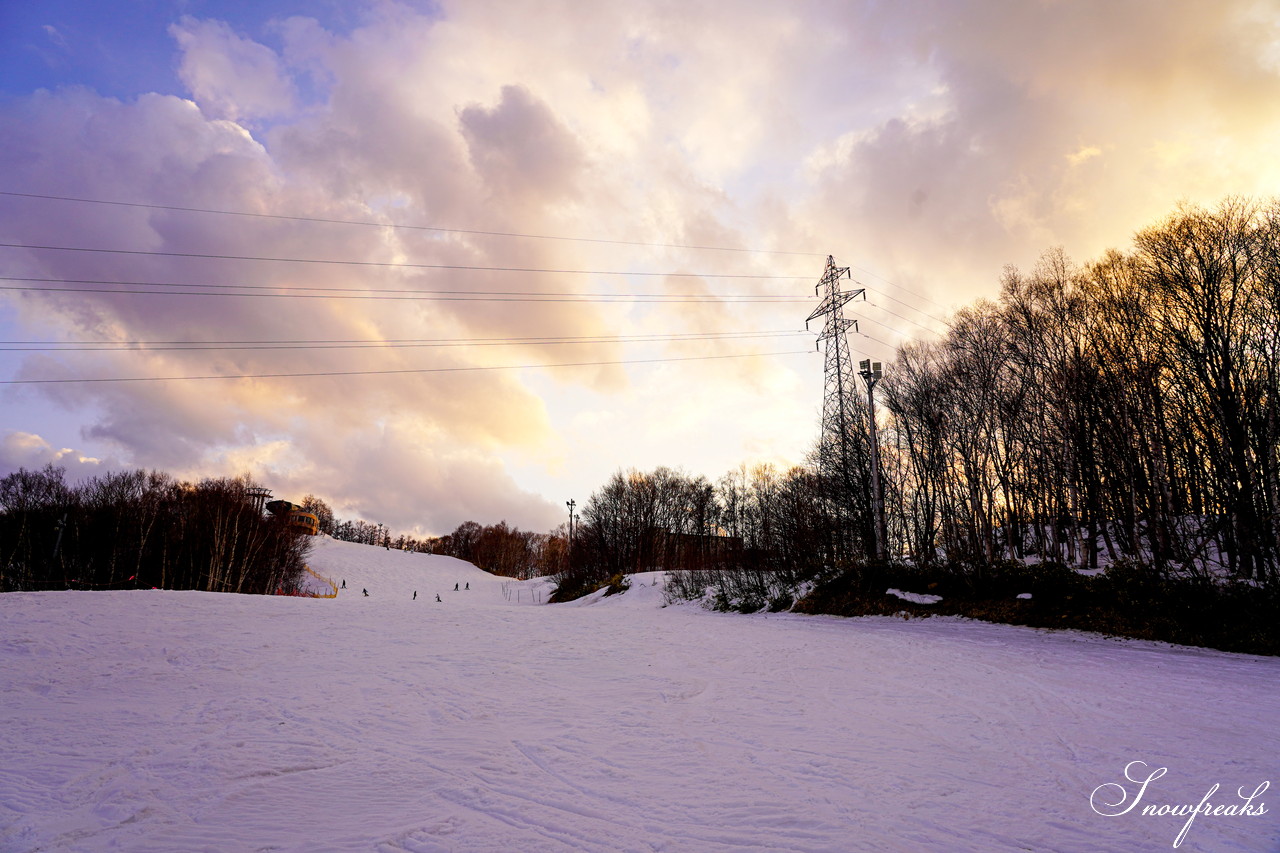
pixel 872 373
pixel 571 504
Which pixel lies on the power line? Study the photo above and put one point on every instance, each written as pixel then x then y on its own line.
pixel 399 226
pixel 891 328
pixel 395 264
pixel 197 346
pixel 443 229
pixel 313 292
pixel 410 340
pixel 915 293
pixel 393 372
pixel 886 345
pixel 901 287
pixel 933 317
pixel 190 289
pixel 429 297
pixel 901 317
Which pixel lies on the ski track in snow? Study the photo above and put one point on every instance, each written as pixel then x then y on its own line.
pixel 175 721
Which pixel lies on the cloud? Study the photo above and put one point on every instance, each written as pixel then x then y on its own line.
pixel 377 475
pixel 230 76
pixel 26 450
pixel 54 36
pixel 929 143
pixel 519 149
pixel 1084 154
pixel 1072 124
pixel 431 439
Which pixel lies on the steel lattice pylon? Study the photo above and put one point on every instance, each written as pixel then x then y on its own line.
pixel 842 448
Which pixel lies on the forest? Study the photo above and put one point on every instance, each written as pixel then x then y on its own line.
pixel 1128 406
pixel 138 530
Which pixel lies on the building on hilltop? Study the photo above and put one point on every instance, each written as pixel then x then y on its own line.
pixel 662 549
pixel 297 516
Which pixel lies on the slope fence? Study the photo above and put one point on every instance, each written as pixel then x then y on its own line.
pixel 333 587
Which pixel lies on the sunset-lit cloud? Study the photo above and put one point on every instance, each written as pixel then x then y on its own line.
pixel 230 76
pixel 926 144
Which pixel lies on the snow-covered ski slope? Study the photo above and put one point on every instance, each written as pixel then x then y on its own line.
pixel 184 721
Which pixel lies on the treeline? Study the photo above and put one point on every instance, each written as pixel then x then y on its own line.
pixel 761 519
pixel 504 550
pixel 140 530
pixel 754 534
pixel 758 518
pixel 499 549
pixel 1128 408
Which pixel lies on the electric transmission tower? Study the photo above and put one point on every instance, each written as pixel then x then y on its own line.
pixel 843 463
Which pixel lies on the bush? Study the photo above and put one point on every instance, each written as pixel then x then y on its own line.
pixel 742 590
pixel 616 584
pixel 781 602
pixel 1130 600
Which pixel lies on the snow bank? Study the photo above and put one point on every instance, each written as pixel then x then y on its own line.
pixel 646 590
pixel 915 597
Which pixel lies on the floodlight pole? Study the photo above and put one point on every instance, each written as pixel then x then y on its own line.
pixel 571 504
pixel 57 544
pixel 871 374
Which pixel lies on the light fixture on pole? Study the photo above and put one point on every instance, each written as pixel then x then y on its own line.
pixel 871 373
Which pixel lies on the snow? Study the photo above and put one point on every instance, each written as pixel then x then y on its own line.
pixel 174 721
pixel 916 597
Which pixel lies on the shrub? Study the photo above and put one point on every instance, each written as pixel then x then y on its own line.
pixel 1129 600
pixel 617 583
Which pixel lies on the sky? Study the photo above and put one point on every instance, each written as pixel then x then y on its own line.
pixel 472 257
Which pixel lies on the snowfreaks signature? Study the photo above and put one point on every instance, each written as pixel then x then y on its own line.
pixel 1112 799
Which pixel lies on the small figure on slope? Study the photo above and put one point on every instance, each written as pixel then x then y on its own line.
pixel 415 595
pixel 366 592
pixel 437 596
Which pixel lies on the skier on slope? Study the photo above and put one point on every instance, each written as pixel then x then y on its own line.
pixel 366 592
